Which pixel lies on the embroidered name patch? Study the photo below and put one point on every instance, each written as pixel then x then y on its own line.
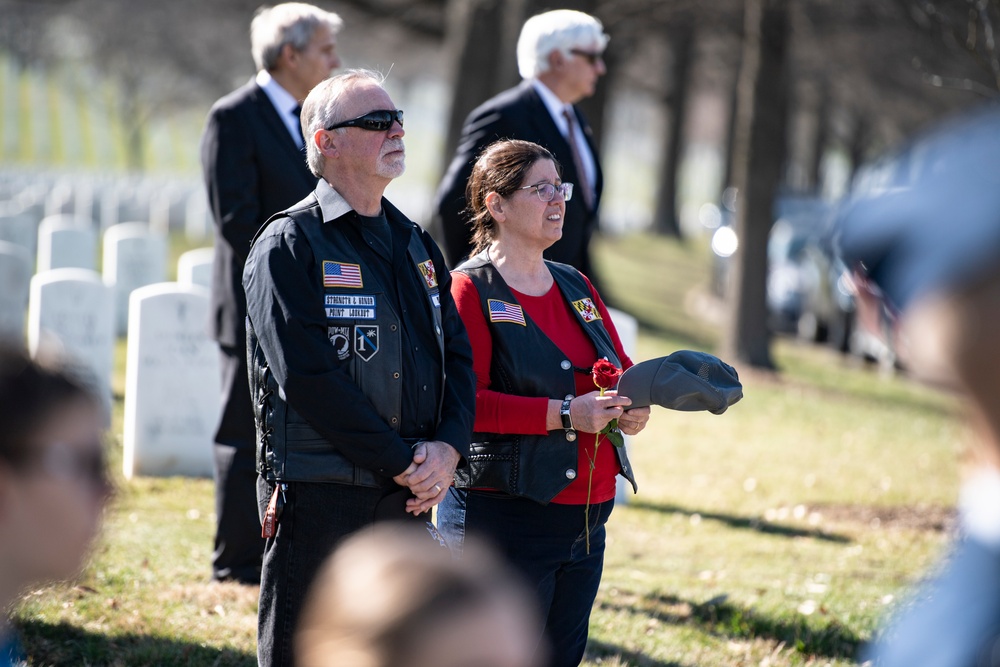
pixel 340 337
pixel 341 274
pixel 501 311
pixel 428 272
pixel 349 306
pixel 588 311
pixel 366 340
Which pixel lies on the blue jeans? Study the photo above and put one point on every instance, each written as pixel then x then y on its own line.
pixel 547 543
pixel 316 517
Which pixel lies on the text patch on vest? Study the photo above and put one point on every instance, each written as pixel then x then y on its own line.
pixel 349 306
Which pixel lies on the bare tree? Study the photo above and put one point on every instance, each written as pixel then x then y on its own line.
pixel 759 154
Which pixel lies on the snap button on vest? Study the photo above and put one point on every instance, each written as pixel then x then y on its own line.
pixel 392 327
pixel 395 376
pixel 569 397
pixel 394 420
pixel 565 365
pixel 570 474
pixel 571 435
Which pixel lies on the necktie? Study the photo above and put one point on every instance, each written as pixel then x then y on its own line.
pixel 583 184
pixel 297 112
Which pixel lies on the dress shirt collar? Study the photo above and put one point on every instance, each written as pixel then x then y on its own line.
pixel 555 106
pixel 332 203
pixel 280 98
pixel 979 503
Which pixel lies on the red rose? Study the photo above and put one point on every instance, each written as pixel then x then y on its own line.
pixel 605 374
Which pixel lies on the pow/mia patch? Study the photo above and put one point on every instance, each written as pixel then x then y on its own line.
pixel 588 311
pixel 428 272
pixel 366 340
pixel 341 339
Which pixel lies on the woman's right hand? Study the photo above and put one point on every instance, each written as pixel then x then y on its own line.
pixel 591 412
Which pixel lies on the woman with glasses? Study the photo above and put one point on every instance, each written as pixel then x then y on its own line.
pixel 537 328
pixel 53 478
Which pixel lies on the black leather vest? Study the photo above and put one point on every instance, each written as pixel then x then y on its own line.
pixel 288 448
pixel 527 363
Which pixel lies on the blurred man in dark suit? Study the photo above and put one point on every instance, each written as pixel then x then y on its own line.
pixel 930 237
pixel 254 164
pixel 559 56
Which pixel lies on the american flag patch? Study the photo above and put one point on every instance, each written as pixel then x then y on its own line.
pixel 339 274
pixel 501 311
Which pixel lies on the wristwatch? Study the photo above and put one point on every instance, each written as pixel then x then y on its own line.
pixel 567 422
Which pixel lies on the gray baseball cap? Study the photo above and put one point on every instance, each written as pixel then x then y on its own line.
pixel 685 380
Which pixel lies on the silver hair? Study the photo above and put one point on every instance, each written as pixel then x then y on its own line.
pixel 323 107
pixel 292 23
pixel 558 30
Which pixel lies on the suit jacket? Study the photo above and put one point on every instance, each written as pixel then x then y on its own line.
pixel 955 618
pixel 518 113
pixel 252 169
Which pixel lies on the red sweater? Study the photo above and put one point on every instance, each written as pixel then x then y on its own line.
pixel 497 412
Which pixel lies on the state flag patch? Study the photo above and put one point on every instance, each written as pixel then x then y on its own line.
pixel 588 311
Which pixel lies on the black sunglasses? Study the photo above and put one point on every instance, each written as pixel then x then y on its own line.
pixel 374 121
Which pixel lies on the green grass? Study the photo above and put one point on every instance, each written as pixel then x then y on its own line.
pixel 778 533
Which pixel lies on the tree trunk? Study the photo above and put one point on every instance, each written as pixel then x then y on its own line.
pixel 666 219
pixel 820 138
pixel 858 142
pixel 727 177
pixel 472 42
pixel 760 147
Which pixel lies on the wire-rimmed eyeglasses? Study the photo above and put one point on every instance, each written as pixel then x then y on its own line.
pixel 546 191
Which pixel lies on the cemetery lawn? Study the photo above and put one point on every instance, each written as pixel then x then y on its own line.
pixel 778 533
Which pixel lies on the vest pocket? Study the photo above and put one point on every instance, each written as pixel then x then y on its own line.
pixel 491 465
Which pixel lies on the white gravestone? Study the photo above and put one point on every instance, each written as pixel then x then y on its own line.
pixel 21 229
pixel 628 332
pixel 133 258
pixel 73 308
pixel 172 386
pixel 195 267
pixel 66 242
pixel 15 277
pixel 197 221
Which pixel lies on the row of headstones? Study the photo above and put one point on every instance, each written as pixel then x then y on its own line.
pixel 133 257
pixel 168 204
pixel 172 392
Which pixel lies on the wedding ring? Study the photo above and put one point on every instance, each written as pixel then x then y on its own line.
pixel 437 487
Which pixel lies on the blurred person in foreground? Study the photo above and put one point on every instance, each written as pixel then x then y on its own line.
pixel 361 370
pixel 559 56
pixel 537 328
pixel 392 597
pixel 254 164
pixel 932 243
pixel 53 478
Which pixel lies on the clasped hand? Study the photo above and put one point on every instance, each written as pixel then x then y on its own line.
pixel 429 475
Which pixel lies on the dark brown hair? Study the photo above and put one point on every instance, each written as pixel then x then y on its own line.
pixel 501 168
pixel 30 392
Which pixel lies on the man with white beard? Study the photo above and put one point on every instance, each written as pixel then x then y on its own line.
pixel 360 368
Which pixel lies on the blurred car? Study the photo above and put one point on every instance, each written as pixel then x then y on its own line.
pixel 807 294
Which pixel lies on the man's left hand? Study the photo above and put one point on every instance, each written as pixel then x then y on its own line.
pixel 436 462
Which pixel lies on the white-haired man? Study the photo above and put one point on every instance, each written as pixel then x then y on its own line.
pixel 360 366
pixel 559 56
pixel 254 165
